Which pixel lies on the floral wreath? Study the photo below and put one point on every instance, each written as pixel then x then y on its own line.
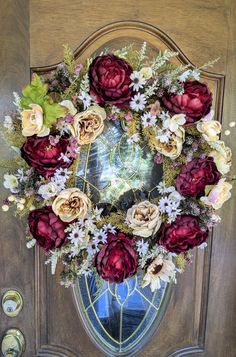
pixel 160 104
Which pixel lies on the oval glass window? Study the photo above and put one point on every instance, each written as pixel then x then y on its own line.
pixel 120 318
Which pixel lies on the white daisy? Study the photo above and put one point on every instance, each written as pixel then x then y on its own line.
pixel 64 158
pixel 148 119
pixel 138 102
pixel 142 247
pixel 86 99
pixel 115 110
pixel 172 205
pixel 59 184
pixel 109 228
pixel 97 213
pixel 100 237
pixel 77 236
pixel 163 204
pixel 173 215
pixel 87 272
pixel 163 135
pixel 92 249
pixel 160 269
pixel 161 187
pixel 20 175
pixel 164 116
pixel 62 175
pixel 138 80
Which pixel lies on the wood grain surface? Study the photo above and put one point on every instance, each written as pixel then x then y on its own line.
pixel 16 262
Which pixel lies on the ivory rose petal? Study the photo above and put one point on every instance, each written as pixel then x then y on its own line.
pixel 210 129
pixel 70 106
pixel 88 125
pixel 218 195
pixel 70 204
pixel 32 122
pixel 222 157
pixel 144 218
pixel 173 147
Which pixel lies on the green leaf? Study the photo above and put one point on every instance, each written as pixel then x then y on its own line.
pixel 208 188
pixel 34 92
pixel 52 111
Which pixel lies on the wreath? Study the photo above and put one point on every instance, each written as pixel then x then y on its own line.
pixel 166 112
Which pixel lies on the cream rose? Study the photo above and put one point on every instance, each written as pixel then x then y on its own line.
pixel 144 218
pixel 32 121
pixel 218 194
pixel 69 106
pixel 210 129
pixel 146 72
pixel 173 147
pixel 71 204
pixel 88 125
pixel 222 157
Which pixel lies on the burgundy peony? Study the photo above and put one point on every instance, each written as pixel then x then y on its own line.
pixel 195 176
pixel 195 103
pixel 117 259
pixel 181 235
pixel 43 156
pixel 110 80
pixel 47 228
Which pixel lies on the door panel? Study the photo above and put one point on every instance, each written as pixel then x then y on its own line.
pixel 200 317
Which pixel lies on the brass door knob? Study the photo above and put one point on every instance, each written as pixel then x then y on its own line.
pixel 12 303
pixel 13 343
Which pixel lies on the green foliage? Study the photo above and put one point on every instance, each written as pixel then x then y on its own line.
pixel 36 93
pixel 52 111
pixel 69 59
pixel 117 219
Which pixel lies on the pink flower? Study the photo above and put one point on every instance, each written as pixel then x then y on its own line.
pixel 129 116
pixel 78 69
pixel 158 159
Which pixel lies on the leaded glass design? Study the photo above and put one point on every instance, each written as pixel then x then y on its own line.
pixel 120 317
pixel 116 172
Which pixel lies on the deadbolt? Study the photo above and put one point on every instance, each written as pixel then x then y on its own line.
pixel 12 303
pixel 13 343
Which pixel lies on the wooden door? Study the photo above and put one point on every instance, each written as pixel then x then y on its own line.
pixel 200 316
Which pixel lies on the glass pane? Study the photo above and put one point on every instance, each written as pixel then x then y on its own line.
pixel 120 317
pixel 115 171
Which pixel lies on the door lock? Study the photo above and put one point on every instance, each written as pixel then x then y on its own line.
pixel 12 303
pixel 13 343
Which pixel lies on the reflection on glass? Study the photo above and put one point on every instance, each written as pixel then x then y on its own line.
pixel 113 166
pixel 116 172
pixel 119 315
